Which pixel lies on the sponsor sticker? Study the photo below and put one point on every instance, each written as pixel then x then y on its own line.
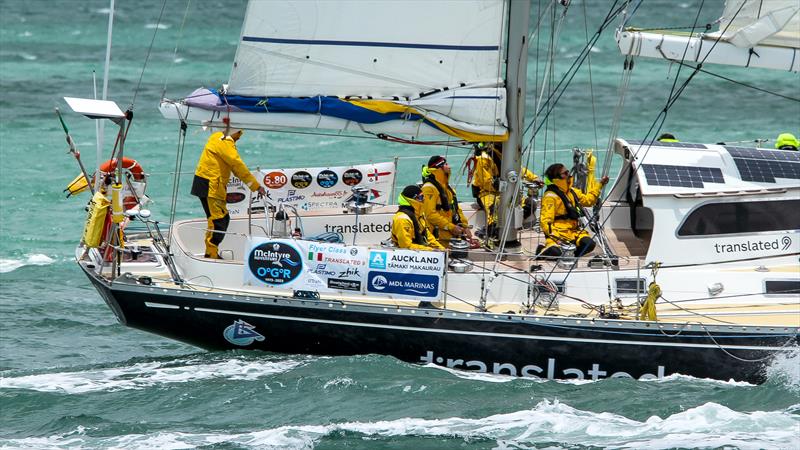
pixel 409 284
pixel 327 179
pixel 301 179
pixel 377 260
pixel 344 285
pixel 352 177
pixel 275 180
pixel 275 263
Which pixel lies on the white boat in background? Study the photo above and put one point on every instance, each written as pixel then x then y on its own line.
pixel 708 235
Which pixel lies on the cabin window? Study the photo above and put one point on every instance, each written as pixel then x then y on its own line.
pixel 630 286
pixel 741 217
pixel 782 287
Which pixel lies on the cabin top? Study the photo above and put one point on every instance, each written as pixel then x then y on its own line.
pixel 684 168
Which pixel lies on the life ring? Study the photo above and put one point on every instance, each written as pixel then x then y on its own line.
pixel 134 190
pixel 129 164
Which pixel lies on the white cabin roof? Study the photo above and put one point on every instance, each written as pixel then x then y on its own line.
pixel 669 168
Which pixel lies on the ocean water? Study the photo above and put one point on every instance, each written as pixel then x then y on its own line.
pixel 72 377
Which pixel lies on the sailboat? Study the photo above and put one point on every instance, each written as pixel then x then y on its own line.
pixel 696 271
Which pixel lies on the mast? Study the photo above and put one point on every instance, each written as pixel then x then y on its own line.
pixel 516 78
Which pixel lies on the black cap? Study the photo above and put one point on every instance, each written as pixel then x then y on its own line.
pixel 436 162
pixel 411 191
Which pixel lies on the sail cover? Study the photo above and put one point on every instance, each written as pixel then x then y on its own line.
pixel 748 23
pixel 437 63
pixel 752 33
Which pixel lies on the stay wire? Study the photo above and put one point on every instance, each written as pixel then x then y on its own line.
pixel 740 83
pixel 671 99
pixel 177 45
pixel 149 51
pixel 591 83
pixel 176 181
pixel 560 88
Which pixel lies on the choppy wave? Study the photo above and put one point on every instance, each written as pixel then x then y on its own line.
pixel 143 375
pixel 785 369
pixel 707 426
pixel 36 259
pixel 497 378
pixel 160 26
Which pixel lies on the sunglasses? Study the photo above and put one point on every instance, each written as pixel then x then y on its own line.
pixel 419 197
pixel 564 174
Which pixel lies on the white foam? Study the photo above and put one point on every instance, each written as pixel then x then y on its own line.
pixel 142 375
pixel 36 259
pixel 711 424
pixel 678 377
pixel 785 369
pixel 339 382
pixel 160 26
pixel 470 375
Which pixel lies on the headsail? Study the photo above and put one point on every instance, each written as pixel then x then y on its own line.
pixel 752 33
pixel 415 68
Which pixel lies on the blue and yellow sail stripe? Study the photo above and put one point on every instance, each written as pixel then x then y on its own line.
pixel 361 111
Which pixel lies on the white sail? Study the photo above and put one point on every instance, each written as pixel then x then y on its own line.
pixel 752 33
pixel 435 66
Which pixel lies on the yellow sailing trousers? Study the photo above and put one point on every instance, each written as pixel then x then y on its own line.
pixel 218 219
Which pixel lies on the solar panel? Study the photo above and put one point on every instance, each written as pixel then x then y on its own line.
pixel 667 144
pixel 765 165
pixel 681 176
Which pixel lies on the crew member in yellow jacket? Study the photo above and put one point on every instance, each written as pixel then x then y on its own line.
pixel 218 160
pixel 561 210
pixel 485 178
pixel 440 203
pixel 409 228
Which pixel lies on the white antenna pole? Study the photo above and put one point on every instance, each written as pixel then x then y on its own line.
pixel 101 123
pixel 97 129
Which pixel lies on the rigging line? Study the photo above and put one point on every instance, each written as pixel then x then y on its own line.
pixel 177 44
pixel 785 344
pixel 178 167
pixel 552 100
pixel 794 99
pixel 591 83
pixel 695 312
pixel 147 57
pixel 662 114
pixel 577 62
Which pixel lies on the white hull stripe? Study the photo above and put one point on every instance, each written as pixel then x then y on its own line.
pixel 161 305
pixel 499 335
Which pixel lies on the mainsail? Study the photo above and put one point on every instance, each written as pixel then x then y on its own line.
pixel 416 68
pixel 752 33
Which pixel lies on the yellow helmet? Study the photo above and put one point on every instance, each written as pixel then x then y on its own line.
pixel 786 141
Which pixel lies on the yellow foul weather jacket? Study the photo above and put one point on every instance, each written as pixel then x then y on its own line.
pixel 218 159
pixel 554 220
pixel 433 209
pixel 486 172
pixel 403 233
